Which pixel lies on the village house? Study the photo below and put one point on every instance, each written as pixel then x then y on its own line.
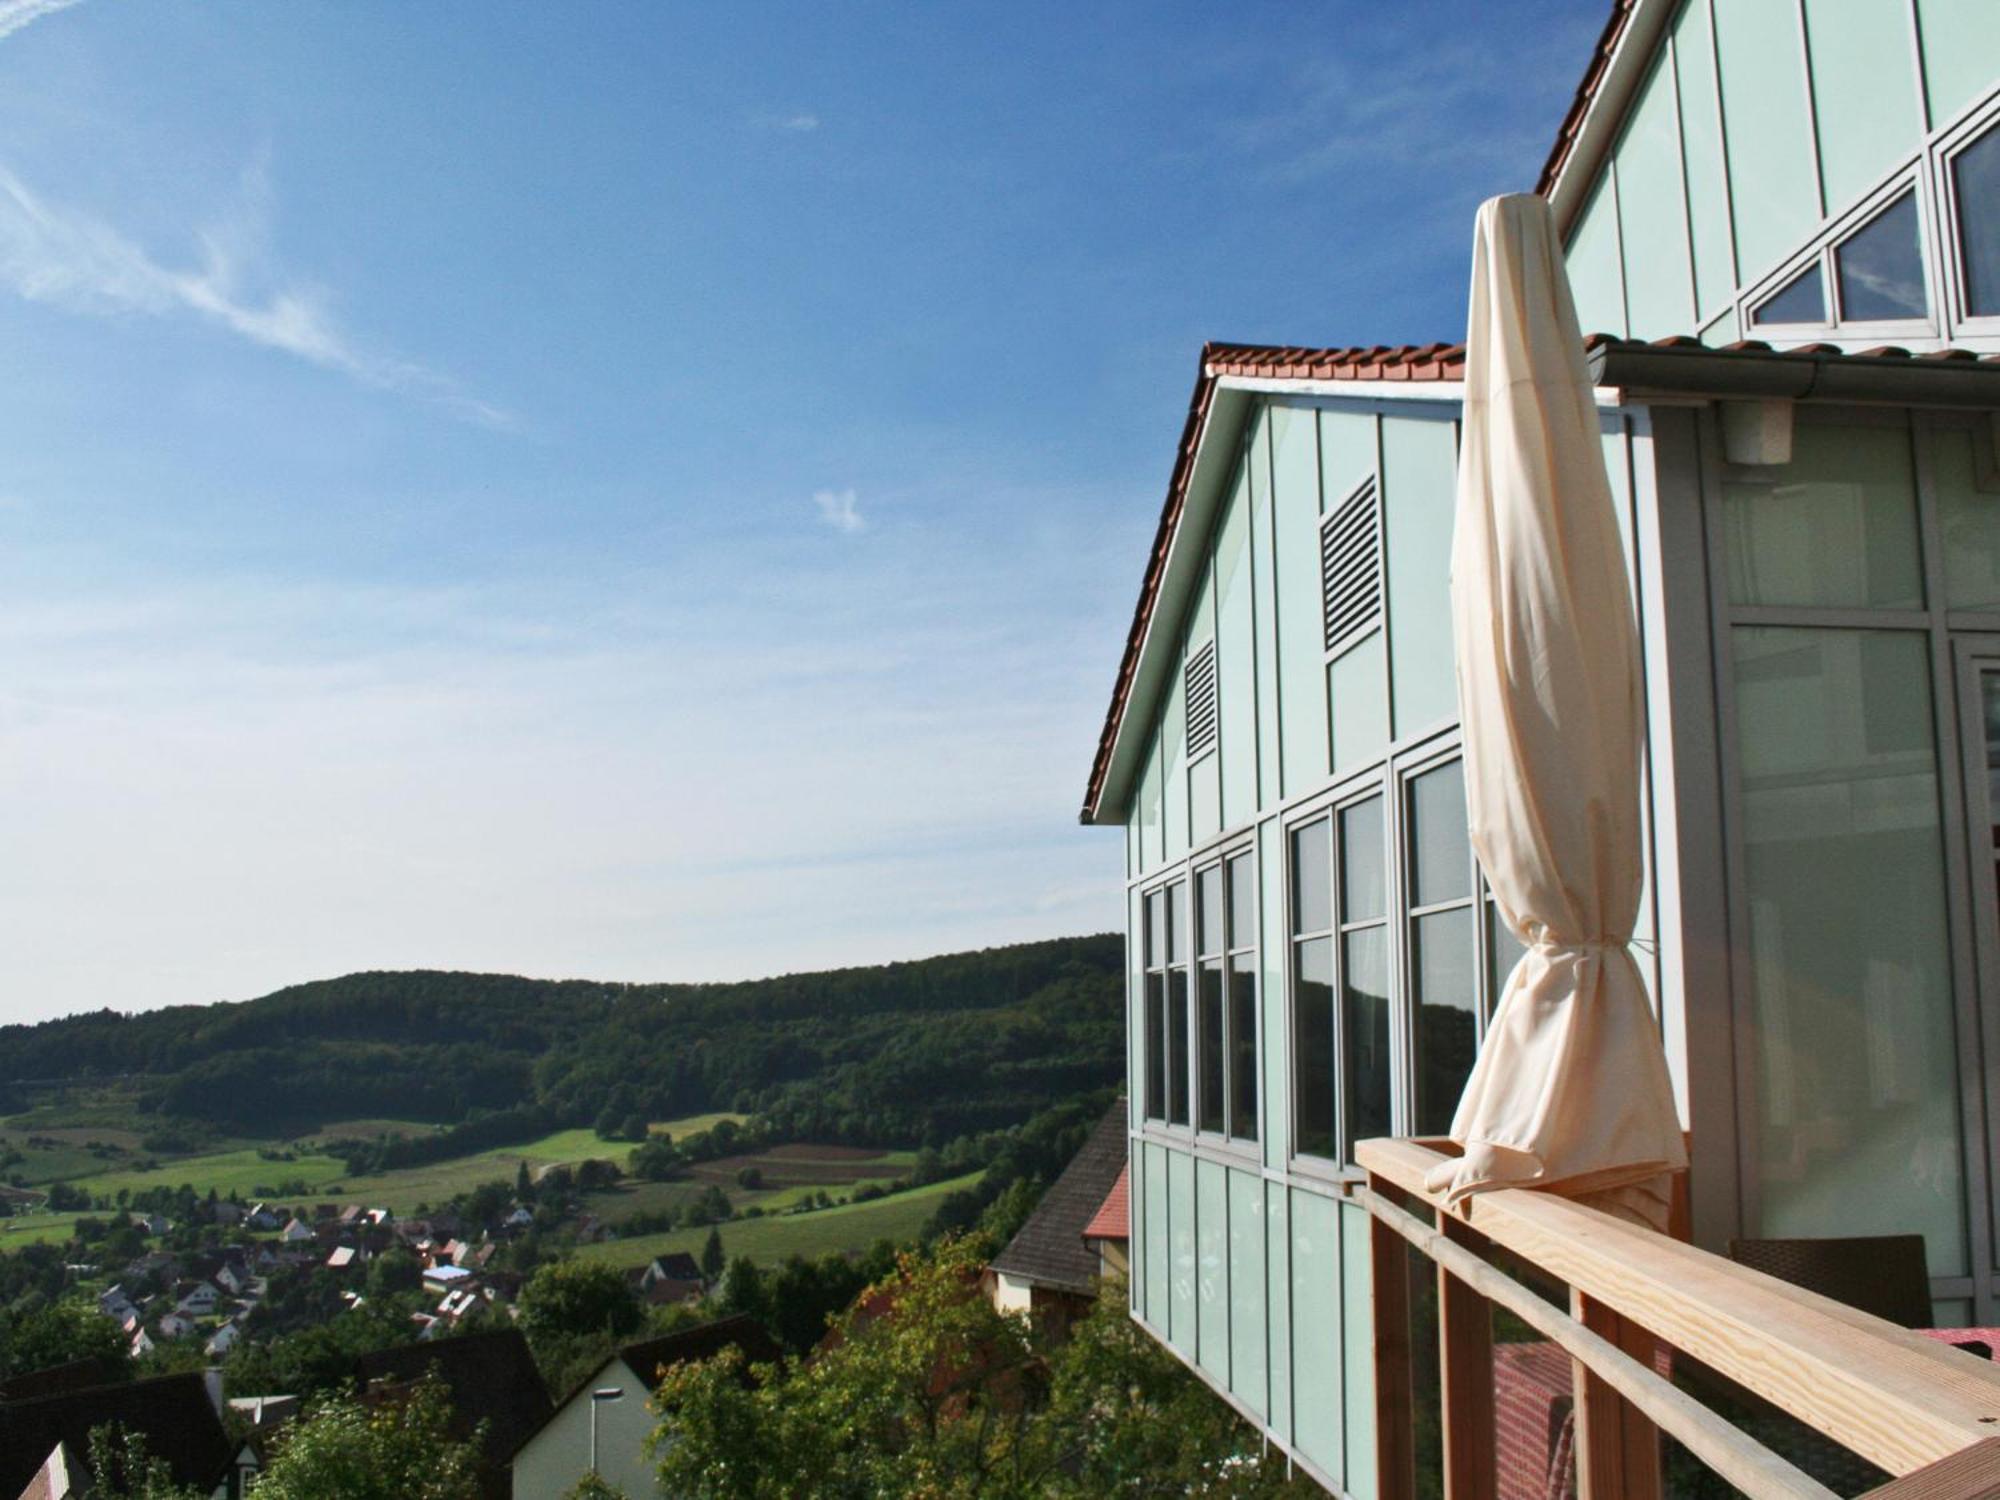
pixel 1050 1268
pixel 1785 242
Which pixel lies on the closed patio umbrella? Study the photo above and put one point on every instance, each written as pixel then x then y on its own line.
pixel 1570 1091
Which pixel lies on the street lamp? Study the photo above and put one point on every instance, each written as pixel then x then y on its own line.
pixel 598 1397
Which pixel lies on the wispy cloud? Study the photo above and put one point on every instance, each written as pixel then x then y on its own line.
pixel 55 254
pixel 14 14
pixel 838 509
pixel 797 121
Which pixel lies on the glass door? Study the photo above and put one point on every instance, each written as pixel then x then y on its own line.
pixel 1977 659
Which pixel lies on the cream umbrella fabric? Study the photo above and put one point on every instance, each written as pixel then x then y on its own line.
pixel 1570 1091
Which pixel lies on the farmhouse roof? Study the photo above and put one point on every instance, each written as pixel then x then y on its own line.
pixel 1113 1219
pixel 492 1379
pixel 1050 1248
pixel 703 1341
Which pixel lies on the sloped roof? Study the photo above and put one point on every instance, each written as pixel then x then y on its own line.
pixel 172 1411
pixel 703 1341
pixel 492 1379
pixel 1679 363
pixel 1586 93
pixel 1113 1219
pixel 1050 1250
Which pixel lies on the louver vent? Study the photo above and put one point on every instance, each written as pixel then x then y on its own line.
pixel 1350 567
pixel 1201 720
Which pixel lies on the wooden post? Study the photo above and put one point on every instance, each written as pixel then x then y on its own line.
pixel 1465 1380
pixel 1617 1449
pixel 1395 1409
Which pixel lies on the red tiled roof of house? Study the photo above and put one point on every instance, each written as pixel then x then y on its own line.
pixel 1586 93
pixel 1113 1219
pixel 1406 362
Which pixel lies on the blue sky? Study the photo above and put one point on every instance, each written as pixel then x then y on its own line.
pixel 642 491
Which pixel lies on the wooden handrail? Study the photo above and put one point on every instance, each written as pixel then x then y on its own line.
pixel 1902 1401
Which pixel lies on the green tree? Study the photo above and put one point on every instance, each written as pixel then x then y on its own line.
pixel 345 1449
pixel 934 1392
pixel 712 1258
pixel 394 1272
pixel 594 1487
pixel 123 1468
pixel 634 1125
pixel 573 1296
pixel 524 1185
pixel 55 1335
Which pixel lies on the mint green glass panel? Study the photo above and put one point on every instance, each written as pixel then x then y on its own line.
pixel 1773 182
pixel 1722 331
pixel 1181 1299
pixel 1596 280
pixel 1212 1268
pixel 1276 1134
pixel 1864 75
pixel 1135 1280
pixel 1357 1297
pixel 1316 1329
pixel 1618 472
pixel 1419 475
pixel 1157 1251
pixel 1856 1100
pixel 1346 455
pixel 1152 844
pixel 1701 158
pixel 1278 1285
pixel 1173 753
pixel 1652 214
pixel 1970 516
pixel 1135 1014
pixel 1134 864
pixel 1301 630
pixel 1246 1290
pixel 1357 697
pixel 1236 662
pixel 1836 526
pixel 1264 584
pixel 1201 619
pixel 1961 40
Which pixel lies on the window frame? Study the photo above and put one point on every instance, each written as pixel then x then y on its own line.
pixel 1942 157
pixel 1908 181
pixel 1475 902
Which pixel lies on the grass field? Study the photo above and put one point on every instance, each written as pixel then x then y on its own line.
pixel 35 1229
pixel 768 1241
pixel 247 1174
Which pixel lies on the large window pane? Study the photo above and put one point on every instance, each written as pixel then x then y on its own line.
pixel 1312 1037
pixel 1503 950
pixel 1156 1047
pixel 1156 929
pixel 1176 924
pixel 1209 1069
pixel 1243 1048
pixel 1364 893
pixel 1208 909
pixel 1880 267
pixel 1440 846
pixel 1365 1016
pixel 1976 177
pixel 1242 902
pixel 1857 1125
pixel 1445 964
pixel 1836 526
pixel 1800 300
pixel 1312 909
pixel 1970 517
pixel 1177 1047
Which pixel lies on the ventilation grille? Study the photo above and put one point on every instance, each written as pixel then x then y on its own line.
pixel 1350 567
pixel 1201 719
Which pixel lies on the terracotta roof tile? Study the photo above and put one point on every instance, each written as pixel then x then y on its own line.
pixel 1586 93
pixel 1113 1219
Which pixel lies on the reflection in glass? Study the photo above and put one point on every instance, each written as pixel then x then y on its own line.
pixel 1209 1069
pixel 1880 267
pixel 1243 1048
pixel 1975 173
pixel 1208 909
pixel 1443 959
pixel 1440 846
pixel 1365 1024
pixel 1311 903
pixel 1836 526
pixel 1156 930
pixel 1176 925
pixel 1800 300
pixel 1156 1047
pixel 1312 1035
pixel 1363 891
pixel 1857 1126
pixel 1969 512
pixel 1177 1047
pixel 1242 902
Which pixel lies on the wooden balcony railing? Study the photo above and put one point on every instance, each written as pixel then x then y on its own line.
pixel 1926 1413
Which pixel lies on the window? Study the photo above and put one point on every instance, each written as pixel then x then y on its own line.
pixel 1879 269
pixel 1975 181
pixel 1166 1000
pixel 1242 879
pixel 1312 989
pixel 1364 971
pixel 1443 947
pixel 1156 1005
pixel 1210 1071
pixel 1177 1007
pixel 1800 300
pixel 1199 998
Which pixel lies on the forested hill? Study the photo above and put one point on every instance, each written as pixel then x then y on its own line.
pixel 901 1052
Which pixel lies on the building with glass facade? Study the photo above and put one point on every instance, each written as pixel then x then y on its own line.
pixel 1784 217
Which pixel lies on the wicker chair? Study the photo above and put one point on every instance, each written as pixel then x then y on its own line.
pixel 1881 1274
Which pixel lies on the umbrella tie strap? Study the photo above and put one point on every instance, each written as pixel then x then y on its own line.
pixel 1548 943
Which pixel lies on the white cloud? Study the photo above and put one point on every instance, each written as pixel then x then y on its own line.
pixel 837 508
pixel 61 256
pixel 14 14
pixel 799 122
